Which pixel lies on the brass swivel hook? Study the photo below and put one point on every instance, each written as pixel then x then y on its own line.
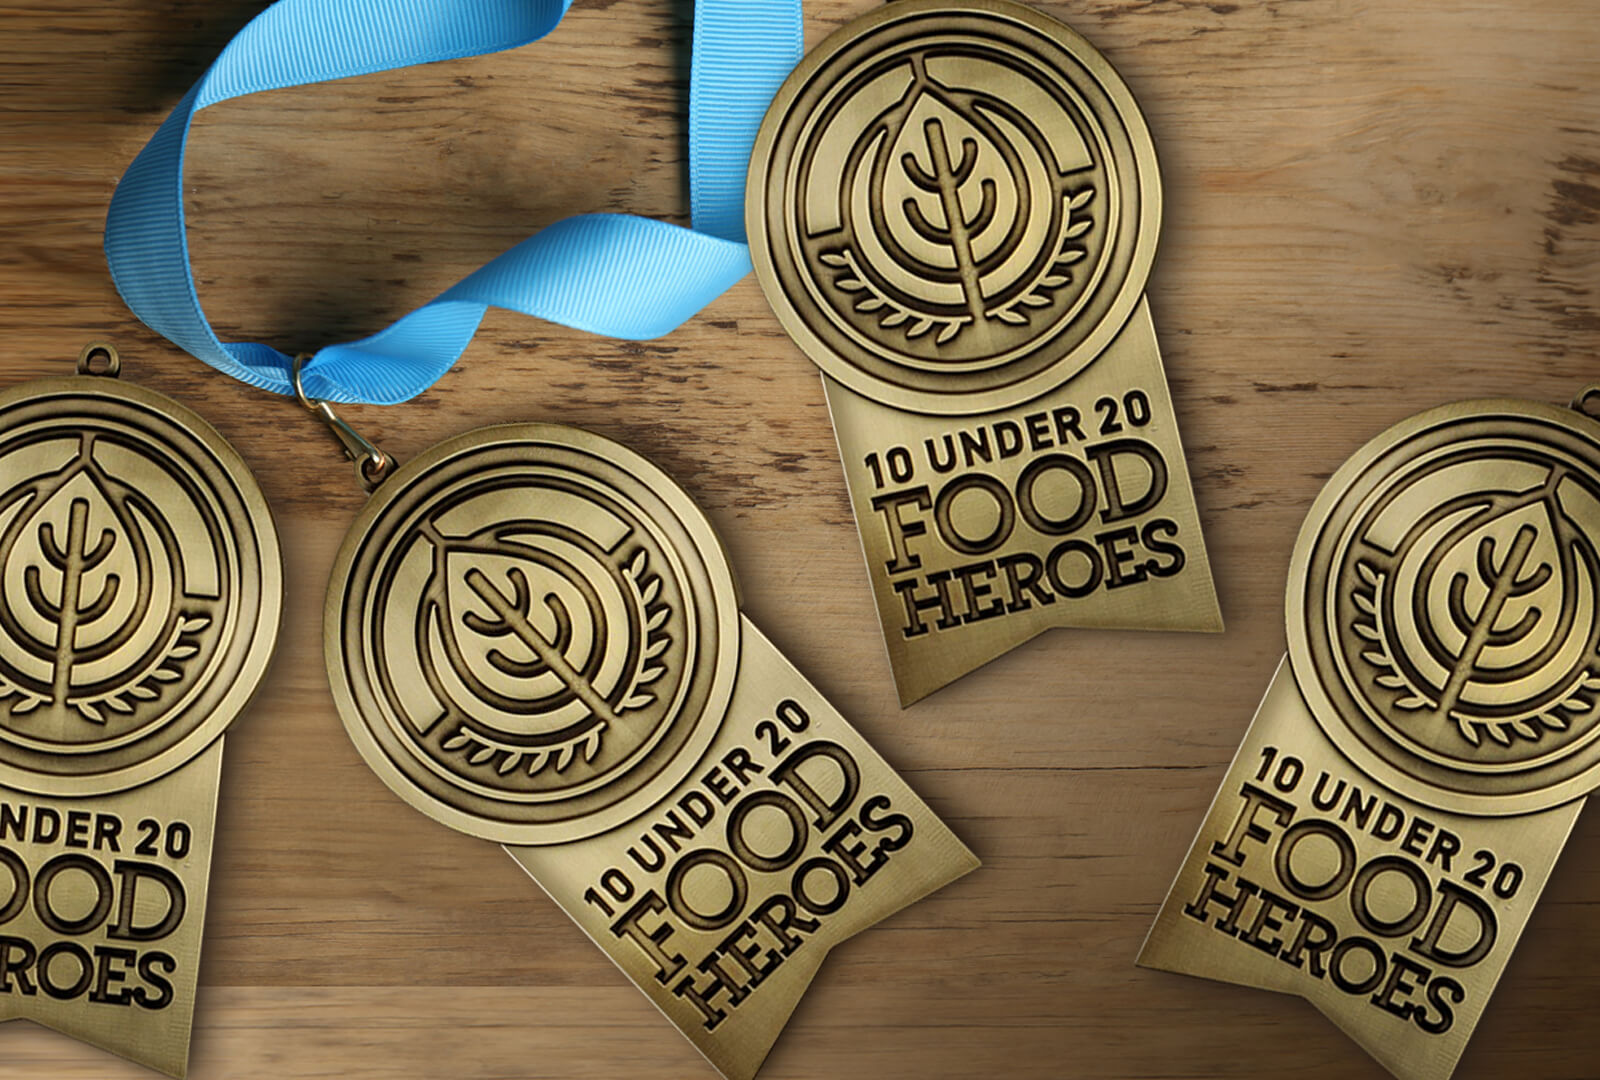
pixel 373 466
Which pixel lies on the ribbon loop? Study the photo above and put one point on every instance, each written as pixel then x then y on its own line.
pixel 617 275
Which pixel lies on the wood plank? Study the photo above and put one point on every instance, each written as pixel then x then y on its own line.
pixel 1371 208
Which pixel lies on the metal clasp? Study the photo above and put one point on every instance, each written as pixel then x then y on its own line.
pixel 373 466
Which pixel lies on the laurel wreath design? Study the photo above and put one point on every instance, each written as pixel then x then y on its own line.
pixel 1054 276
pixel 917 324
pixel 894 313
pixel 1530 727
pixel 145 685
pixel 480 748
pixel 29 700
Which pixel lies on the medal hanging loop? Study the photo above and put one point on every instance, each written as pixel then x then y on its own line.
pixel 617 275
pixel 1587 401
pixel 104 354
pixel 373 466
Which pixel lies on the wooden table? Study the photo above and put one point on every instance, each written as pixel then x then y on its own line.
pixel 1372 207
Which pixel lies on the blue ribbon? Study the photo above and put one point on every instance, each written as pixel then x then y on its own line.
pixel 612 274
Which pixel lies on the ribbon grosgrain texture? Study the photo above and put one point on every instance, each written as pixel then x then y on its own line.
pixel 613 274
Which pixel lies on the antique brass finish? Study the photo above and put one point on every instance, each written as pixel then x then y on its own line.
pixel 140 586
pixel 140 590
pixel 953 209
pixel 983 532
pixel 1442 607
pixel 533 636
pixel 1402 795
pixel 514 603
pixel 1395 919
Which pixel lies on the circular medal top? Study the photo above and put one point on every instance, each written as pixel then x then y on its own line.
pixel 953 207
pixel 140 586
pixel 532 633
pixel 1442 607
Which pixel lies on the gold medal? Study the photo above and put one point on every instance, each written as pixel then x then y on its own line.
pixel 534 637
pixel 1402 795
pixel 953 209
pixel 140 590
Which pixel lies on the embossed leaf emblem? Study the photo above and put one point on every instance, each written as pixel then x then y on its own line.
pixel 960 219
pixel 1497 612
pixel 92 600
pixel 526 638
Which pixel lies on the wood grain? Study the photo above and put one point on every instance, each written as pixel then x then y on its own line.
pixel 1372 207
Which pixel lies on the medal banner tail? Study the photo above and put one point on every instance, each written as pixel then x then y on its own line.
pixel 104 912
pixel 614 274
pixel 1071 510
pixel 722 901
pixel 1393 918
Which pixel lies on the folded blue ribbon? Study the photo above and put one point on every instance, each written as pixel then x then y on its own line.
pixel 613 274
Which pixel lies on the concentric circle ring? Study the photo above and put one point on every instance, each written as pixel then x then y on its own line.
pixel 489 684
pixel 141 586
pixel 1442 610
pixel 922 112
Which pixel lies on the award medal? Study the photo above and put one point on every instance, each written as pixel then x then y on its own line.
pixel 140 590
pixel 532 633
pixel 534 637
pixel 1415 768
pixel 953 209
